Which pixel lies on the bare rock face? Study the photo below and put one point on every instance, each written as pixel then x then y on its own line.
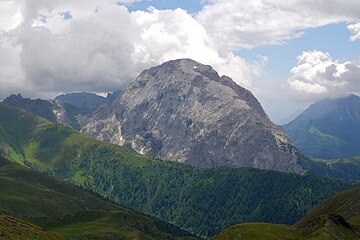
pixel 184 111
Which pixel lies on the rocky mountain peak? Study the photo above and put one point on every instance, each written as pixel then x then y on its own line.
pixel 184 111
pixel 43 108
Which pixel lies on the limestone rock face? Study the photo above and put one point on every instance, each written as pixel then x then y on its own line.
pixel 184 111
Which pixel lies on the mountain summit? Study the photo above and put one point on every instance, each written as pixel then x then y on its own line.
pixel 328 129
pixel 184 111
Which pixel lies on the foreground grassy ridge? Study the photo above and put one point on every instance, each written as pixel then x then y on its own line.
pixel 70 210
pixel 336 218
pixel 322 230
pixel 114 225
pixel 205 201
pixel 15 229
pixel 346 204
pixel 259 231
pixel 25 192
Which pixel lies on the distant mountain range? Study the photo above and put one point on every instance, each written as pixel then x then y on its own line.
pixel 328 129
pixel 64 109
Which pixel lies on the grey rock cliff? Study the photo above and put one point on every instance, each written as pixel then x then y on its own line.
pixel 184 111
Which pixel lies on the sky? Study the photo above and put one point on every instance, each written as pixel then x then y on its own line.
pixel 289 53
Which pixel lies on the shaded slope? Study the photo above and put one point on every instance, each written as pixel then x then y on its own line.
pixel 259 231
pixel 60 206
pixel 81 100
pixel 344 168
pixel 15 229
pixel 25 192
pixel 329 227
pixel 346 204
pixel 328 129
pixel 202 200
pixel 336 218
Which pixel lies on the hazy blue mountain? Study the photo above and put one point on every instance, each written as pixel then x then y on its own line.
pixel 82 100
pixel 328 129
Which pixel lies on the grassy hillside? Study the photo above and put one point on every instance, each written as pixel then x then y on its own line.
pixel 346 204
pixel 25 192
pixel 205 201
pixel 70 210
pixel 15 229
pixel 325 228
pixel 336 218
pixel 259 231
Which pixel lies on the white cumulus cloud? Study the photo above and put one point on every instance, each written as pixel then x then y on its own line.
pixel 317 76
pixel 238 24
pixel 49 47
pixel 102 47
pixel 355 30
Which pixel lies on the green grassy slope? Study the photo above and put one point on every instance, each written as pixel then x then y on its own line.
pixel 336 218
pixel 114 225
pixel 25 192
pixel 203 200
pixel 15 229
pixel 324 228
pixel 346 204
pixel 72 211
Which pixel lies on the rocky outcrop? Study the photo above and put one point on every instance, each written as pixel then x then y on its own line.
pixel 42 108
pixel 184 111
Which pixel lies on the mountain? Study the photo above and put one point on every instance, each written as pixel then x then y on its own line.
pixel 184 111
pixel 42 108
pixel 54 111
pixel 113 96
pixel 336 218
pixel 15 229
pixel 82 100
pixel 70 210
pixel 328 129
pixel 65 109
pixel 204 201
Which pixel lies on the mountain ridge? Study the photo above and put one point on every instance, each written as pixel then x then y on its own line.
pixel 328 129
